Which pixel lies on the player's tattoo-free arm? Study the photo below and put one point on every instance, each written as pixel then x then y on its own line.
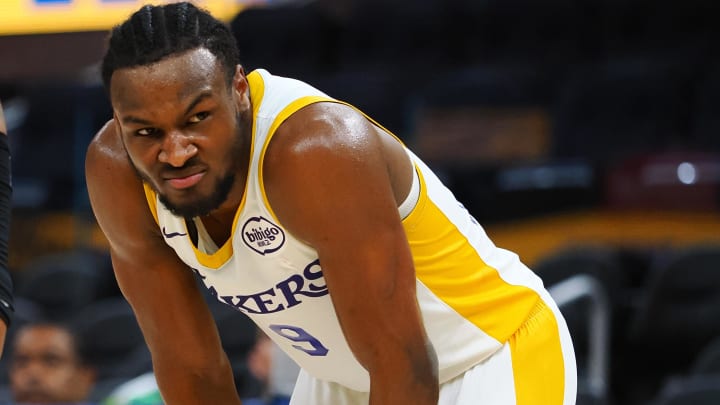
pixel 189 362
pixel 334 189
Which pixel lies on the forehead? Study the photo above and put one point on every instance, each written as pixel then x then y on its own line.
pixel 42 338
pixel 178 76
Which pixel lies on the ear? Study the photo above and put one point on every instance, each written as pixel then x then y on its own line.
pixel 241 89
pixel 116 124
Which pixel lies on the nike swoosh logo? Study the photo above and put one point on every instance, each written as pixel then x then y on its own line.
pixel 171 234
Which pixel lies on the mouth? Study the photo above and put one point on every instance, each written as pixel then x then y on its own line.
pixel 180 183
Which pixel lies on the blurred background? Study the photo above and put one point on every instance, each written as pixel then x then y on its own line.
pixel 583 134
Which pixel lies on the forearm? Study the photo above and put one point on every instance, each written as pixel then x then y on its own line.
pixel 404 392
pixel 411 380
pixel 185 385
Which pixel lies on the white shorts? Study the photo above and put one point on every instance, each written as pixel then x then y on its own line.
pixel 536 366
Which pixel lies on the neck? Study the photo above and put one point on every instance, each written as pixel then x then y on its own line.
pixel 225 213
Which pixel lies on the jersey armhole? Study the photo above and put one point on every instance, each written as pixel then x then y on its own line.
pixel 413 196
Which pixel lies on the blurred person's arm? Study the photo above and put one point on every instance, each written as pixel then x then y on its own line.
pixel 6 288
pixel 189 362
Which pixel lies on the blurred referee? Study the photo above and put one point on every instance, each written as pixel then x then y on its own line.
pixel 6 298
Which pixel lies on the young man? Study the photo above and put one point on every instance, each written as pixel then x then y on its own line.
pixel 309 217
pixel 47 366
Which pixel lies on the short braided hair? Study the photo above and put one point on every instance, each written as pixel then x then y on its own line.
pixel 155 32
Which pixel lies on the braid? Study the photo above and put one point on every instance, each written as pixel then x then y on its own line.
pixel 153 33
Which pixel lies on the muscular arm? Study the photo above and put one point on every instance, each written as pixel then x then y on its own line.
pixel 189 362
pixel 334 182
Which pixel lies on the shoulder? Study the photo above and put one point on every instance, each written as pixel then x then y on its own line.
pixel 324 128
pixel 116 191
pixel 107 166
pixel 106 147
pixel 328 157
pixel 106 162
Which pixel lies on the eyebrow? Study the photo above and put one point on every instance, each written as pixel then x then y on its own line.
pixel 131 119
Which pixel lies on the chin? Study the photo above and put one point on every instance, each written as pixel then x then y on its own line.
pixel 199 203
pixel 36 398
pixel 190 208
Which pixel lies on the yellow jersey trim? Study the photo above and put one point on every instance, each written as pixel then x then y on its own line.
pixel 151 198
pixel 447 264
pixel 531 347
pixel 286 112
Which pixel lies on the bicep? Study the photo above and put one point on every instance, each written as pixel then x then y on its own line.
pixel 337 195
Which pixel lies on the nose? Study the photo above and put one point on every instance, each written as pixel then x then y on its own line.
pixel 177 148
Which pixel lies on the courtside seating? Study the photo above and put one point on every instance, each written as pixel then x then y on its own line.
pixel 707 362
pixel 697 390
pixel 603 263
pixel 113 340
pixel 583 301
pixel 64 283
pixel 609 299
pixel 678 314
pixel 681 309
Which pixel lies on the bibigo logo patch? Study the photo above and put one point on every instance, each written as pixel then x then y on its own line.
pixel 262 235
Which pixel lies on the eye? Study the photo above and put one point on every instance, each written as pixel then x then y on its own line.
pixel 146 131
pixel 198 117
pixel 52 360
pixel 20 361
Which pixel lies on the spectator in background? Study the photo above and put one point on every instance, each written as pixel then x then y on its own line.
pixel 47 366
pixel 275 371
pixel 6 301
pixel 281 379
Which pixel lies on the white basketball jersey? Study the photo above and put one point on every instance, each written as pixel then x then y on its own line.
pixel 473 296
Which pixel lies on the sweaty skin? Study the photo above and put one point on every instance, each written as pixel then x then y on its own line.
pixel 181 127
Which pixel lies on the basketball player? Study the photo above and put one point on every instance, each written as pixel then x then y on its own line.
pixel 301 212
pixel 6 287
